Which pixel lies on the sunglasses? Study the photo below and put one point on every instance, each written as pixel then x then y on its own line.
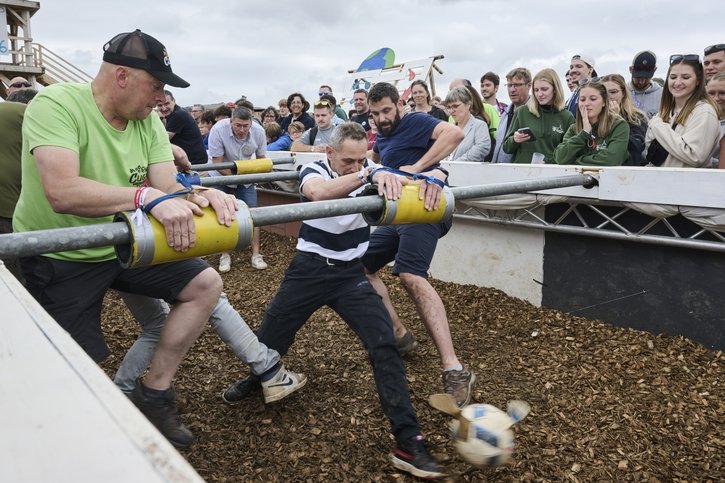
pixel 593 80
pixel 676 58
pixel 323 103
pixel 714 48
pixel 19 85
pixel 320 94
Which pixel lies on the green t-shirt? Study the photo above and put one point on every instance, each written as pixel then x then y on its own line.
pixel 66 115
pixel 11 121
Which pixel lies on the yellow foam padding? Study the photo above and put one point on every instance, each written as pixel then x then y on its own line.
pixel 410 209
pixel 252 166
pixel 149 246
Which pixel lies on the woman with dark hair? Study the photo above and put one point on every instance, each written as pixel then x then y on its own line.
pixel 421 97
pixel 269 116
pixel 599 137
pixel 686 128
pixel 298 107
pixel 620 102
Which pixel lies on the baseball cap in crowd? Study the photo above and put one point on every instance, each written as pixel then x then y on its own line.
pixel 587 59
pixel 644 65
pixel 141 51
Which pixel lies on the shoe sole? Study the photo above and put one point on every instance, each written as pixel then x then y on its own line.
pixel 224 269
pixel 286 392
pixel 408 468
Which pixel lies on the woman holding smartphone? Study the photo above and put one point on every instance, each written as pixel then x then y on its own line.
pixel 687 124
pixel 539 126
pixel 599 137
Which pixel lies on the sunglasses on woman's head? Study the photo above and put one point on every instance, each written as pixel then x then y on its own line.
pixel 684 57
pixel 593 80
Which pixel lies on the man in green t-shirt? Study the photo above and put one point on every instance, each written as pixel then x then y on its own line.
pixel 89 151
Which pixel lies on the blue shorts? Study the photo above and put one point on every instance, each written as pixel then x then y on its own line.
pixel 248 194
pixel 411 246
pixel 72 292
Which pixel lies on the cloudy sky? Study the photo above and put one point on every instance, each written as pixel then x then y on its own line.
pixel 269 49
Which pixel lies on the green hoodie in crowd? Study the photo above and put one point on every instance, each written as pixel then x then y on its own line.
pixel 591 150
pixel 548 129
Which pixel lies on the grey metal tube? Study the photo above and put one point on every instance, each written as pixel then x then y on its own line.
pixel 210 167
pixel 249 178
pixel 63 239
pixel 481 191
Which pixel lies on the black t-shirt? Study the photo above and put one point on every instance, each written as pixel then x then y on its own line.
pixel 362 119
pixel 186 135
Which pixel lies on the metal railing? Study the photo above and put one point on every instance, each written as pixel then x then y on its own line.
pixel 602 220
pixel 57 69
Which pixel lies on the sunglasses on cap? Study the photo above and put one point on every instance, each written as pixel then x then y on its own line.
pixel 320 94
pixel 593 80
pixel 684 57
pixel 714 48
pixel 19 85
pixel 323 103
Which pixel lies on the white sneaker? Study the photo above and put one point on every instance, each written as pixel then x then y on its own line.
pixel 225 263
pixel 258 262
pixel 282 384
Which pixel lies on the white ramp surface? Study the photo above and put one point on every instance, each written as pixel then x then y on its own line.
pixel 61 418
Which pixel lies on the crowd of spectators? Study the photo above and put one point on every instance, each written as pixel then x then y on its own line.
pixel 542 114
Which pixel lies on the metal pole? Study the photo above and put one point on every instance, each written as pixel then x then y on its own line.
pixel 63 239
pixel 249 178
pixel 481 191
pixel 216 166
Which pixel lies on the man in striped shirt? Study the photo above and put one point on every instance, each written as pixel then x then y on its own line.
pixel 327 271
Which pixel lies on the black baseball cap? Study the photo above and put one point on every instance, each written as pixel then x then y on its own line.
pixel 141 51
pixel 644 65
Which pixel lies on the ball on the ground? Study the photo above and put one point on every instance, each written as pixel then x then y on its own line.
pixel 490 439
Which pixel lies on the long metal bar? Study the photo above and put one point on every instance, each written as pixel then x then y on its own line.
pixel 232 165
pixel 64 239
pixel 249 178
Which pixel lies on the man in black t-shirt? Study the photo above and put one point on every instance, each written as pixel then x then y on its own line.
pixel 183 130
pixel 362 110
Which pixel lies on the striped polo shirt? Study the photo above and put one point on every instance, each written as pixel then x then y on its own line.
pixel 344 237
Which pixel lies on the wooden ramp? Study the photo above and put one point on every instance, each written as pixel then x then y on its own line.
pixel 61 418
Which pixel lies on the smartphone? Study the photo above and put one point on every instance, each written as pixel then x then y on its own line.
pixel 527 130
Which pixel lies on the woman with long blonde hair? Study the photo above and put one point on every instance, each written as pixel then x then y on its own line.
pixel 539 126
pixel 599 137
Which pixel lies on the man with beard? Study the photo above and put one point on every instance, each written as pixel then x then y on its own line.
pixel 415 144
pixel 518 83
pixel 646 94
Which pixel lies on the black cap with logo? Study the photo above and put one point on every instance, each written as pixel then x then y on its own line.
pixel 141 51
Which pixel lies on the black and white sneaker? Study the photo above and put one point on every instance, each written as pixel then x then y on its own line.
pixel 412 457
pixel 282 384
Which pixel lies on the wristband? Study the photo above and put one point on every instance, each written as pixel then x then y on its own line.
pixel 142 198
pixel 137 197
